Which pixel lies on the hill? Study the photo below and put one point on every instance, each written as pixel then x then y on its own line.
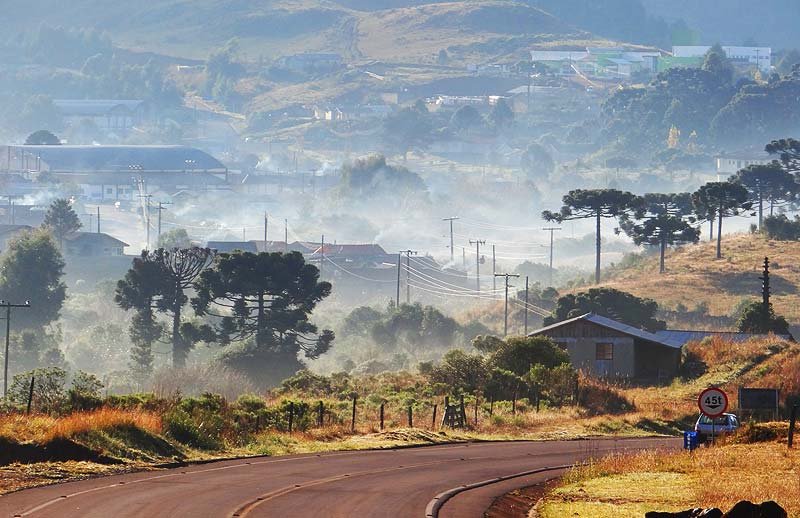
pixel 403 31
pixel 694 277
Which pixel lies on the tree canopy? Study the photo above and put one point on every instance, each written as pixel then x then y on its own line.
pixel 767 182
pixel 62 220
pixel 597 204
pixel 662 219
pixel 611 303
pixel 42 138
pixel 720 199
pixel 31 269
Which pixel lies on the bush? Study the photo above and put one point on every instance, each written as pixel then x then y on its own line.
pixel 85 392
pixel 782 228
pixel 180 426
pixel 48 390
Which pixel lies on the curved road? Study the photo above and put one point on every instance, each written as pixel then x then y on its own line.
pixel 390 483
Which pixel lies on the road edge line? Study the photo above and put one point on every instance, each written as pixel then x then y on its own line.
pixel 435 505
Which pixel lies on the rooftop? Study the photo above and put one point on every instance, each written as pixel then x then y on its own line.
pixel 123 158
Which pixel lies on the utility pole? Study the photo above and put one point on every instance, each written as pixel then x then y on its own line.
pixel 322 256
pixel 765 295
pixel 506 275
pixel 266 223
pixel 526 305
pixel 464 258
pixel 285 236
pixel 8 306
pixel 408 254
pixel 551 230
pixel 146 214
pixel 478 243
pixel 160 209
pixel 494 270
pixel 98 218
pixel 452 250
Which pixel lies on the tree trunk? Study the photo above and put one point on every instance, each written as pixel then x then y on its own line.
pixel 261 320
pixel 663 250
pixel 771 205
pixel 711 225
pixel 761 210
pixel 719 236
pixel 597 247
pixel 178 351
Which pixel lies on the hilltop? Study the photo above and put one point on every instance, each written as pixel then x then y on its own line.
pixel 695 277
pixel 402 31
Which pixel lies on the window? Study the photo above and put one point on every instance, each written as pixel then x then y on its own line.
pixel 109 190
pixel 604 351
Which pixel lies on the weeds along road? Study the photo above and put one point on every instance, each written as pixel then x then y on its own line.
pixel 385 483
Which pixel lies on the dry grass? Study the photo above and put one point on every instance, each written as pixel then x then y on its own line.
pixel 710 477
pixel 42 428
pixel 694 275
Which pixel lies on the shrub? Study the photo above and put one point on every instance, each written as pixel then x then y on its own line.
pixel 48 390
pixel 782 228
pixel 182 427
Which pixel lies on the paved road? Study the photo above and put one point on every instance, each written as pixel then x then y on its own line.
pixel 386 483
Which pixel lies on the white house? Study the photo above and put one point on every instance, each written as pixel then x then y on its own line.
pixel 732 162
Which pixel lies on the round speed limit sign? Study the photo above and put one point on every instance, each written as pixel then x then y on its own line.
pixel 713 402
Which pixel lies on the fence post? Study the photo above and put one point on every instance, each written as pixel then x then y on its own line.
pixel 476 409
pixel 538 397
pixel 30 394
pixel 792 421
pixel 321 414
pixel 291 415
pixel 463 417
pixel 446 412
pixel 353 420
pixel 491 406
pixel 410 416
pixel 433 423
pixel 382 416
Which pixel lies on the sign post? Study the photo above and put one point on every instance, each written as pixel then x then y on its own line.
pixel 713 403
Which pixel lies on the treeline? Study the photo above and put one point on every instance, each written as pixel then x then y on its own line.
pixel 663 220
pixel 693 109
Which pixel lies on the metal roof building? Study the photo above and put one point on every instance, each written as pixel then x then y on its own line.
pixel 107 159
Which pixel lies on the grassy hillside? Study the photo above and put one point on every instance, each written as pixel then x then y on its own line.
pixel 694 276
pixel 191 28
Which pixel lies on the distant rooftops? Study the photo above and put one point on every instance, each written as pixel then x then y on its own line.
pixel 95 159
pixel 96 107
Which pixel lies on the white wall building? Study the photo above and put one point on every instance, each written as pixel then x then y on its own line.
pixel 760 56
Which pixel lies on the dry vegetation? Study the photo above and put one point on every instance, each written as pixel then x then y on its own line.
pixel 43 428
pixel 629 485
pixel 693 275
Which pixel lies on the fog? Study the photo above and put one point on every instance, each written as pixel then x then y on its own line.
pixel 295 132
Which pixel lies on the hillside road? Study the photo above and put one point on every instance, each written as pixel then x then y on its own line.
pixel 382 483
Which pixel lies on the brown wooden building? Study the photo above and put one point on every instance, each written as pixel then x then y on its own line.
pixel 607 348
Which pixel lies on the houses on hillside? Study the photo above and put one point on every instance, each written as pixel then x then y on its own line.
pixel 110 173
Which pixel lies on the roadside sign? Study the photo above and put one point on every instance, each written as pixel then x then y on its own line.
pixel 713 402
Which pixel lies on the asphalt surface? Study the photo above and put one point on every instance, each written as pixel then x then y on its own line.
pixel 385 483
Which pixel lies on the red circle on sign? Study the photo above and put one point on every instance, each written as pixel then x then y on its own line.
pixel 710 392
